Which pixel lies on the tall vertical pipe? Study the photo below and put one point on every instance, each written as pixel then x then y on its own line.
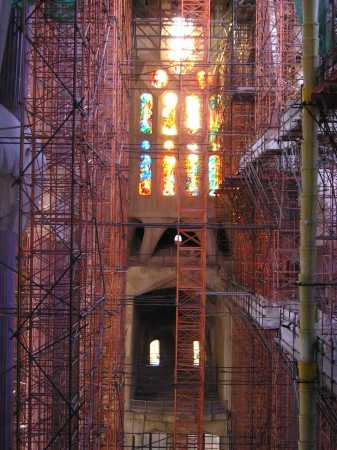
pixel 308 200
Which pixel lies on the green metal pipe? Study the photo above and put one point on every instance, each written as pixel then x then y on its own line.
pixel 308 200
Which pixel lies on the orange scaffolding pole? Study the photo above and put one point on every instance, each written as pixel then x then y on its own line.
pixel 191 266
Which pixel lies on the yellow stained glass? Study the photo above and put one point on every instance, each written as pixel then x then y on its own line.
pixel 201 77
pixel 169 175
pixel 193 113
pixel 169 114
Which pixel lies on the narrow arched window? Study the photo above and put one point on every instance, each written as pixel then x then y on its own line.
pixel 155 352
pixel 196 353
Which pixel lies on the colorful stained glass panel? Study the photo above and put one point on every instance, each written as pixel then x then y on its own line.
pixel 192 174
pixel 169 114
pixel 201 77
pixel 169 175
pixel 146 110
pixel 213 174
pixel 145 175
pixel 145 145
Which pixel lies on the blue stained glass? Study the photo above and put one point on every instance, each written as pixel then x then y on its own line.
pixel 146 107
pixel 145 175
pixel 145 145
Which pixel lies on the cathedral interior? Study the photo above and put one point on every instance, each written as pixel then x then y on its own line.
pixel 168 224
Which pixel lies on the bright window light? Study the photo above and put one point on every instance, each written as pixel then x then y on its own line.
pixel 160 79
pixel 196 353
pixel 169 114
pixel 193 113
pixel 155 353
pixel 168 145
pixel 181 44
pixel 201 77
pixel 169 176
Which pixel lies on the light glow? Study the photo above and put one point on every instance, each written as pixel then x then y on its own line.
pixel 145 175
pixel 213 174
pixel 192 147
pixel 181 44
pixel 196 353
pixel 201 77
pixel 193 113
pixel 192 174
pixel 146 109
pixel 160 79
pixel 169 145
pixel 169 114
pixel 155 353
pixel 169 176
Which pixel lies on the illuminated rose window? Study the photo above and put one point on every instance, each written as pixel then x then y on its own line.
pixel 193 113
pixel 169 175
pixel 145 175
pixel 160 79
pixel 169 114
pixel 213 174
pixel 146 111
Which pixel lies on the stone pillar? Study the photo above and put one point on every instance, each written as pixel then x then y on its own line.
pixel 150 240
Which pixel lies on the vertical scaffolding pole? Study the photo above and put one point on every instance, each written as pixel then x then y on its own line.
pixel 307 364
pixel 189 392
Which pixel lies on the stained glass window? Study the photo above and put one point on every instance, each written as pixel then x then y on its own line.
pixel 201 77
pixel 169 145
pixel 213 174
pixel 192 174
pixel 160 79
pixel 193 113
pixel 214 116
pixel 146 109
pixel 169 114
pixel 145 175
pixel 169 176
pixel 145 145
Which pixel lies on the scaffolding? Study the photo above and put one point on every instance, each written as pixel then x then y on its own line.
pixel 75 159
pixel 261 190
pixel 69 391
pixel 191 267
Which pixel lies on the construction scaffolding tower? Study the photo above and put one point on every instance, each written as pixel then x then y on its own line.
pixel 69 376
